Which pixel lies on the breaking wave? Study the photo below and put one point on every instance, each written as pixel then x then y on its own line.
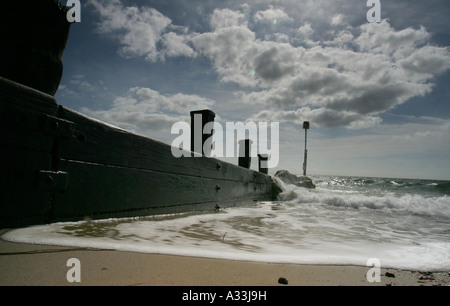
pixel 344 221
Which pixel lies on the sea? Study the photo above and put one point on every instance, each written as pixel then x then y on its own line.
pixel 399 223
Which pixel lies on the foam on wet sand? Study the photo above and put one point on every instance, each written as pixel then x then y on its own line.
pixel 29 264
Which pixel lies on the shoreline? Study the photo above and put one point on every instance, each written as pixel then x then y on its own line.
pixel 44 265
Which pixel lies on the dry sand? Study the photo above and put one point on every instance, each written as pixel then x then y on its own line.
pixel 33 265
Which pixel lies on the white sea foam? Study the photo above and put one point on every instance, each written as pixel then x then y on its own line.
pixel 321 226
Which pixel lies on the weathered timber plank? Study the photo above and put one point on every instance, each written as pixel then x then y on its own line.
pixel 24 199
pixel 98 190
pixel 26 143
pixel 30 98
pixel 25 129
pixel 24 117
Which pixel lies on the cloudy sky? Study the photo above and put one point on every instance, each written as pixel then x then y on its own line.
pixel 376 94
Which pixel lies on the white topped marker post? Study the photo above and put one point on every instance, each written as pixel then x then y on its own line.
pixel 306 128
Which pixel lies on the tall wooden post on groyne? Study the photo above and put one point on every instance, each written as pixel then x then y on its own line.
pixel 33 36
pixel 245 158
pixel 262 163
pixel 202 123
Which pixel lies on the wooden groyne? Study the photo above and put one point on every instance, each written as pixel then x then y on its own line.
pixel 59 165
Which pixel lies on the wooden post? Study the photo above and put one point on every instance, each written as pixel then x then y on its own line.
pixel 262 163
pixel 199 135
pixel 245 158
pixel 33 36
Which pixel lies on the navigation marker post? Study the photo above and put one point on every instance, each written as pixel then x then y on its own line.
pixel 306 128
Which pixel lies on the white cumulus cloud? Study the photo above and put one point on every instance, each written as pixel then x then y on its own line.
pixel 346 77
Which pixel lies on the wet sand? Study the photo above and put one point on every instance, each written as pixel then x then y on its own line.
pixel 39 265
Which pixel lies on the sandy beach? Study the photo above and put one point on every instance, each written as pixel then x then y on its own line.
pixel 42 265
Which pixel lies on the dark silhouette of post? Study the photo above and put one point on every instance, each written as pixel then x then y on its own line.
pixel 245 158
pixel 200 134
pixel 33 35
pixel 305 127
pixel 262 163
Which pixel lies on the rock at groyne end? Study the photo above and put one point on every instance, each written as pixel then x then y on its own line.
pixel 289 178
